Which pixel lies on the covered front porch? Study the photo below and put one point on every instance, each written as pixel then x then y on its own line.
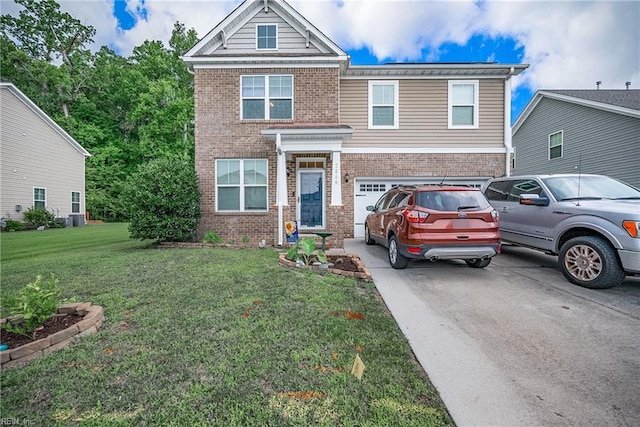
pixel 308 177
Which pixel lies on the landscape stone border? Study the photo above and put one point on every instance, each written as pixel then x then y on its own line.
pixel 363 274
pixel 90 324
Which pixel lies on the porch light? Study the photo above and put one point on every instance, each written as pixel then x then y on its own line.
pixel 346 177
pixel 288 171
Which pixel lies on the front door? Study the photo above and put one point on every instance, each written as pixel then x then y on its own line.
pixel 311 200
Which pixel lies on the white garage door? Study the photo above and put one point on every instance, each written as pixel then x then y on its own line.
pixel 369 190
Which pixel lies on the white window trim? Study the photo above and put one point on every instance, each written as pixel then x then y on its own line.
pixel 277 32
pixel 242 186
pixel 561 132
pixel 324 190
pixel 266 96
pixel 396 109
pixel 476 104
pixel 79 202
pixel 33 196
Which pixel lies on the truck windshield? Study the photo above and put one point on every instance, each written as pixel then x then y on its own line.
pixel 589 187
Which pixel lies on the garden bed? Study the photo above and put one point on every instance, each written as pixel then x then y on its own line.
pixel 347 265
pixel 70 322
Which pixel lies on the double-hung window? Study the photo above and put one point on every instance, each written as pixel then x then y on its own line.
pixel 266 37
pixel 383 104
pixel 75 202
pixel 267 97
pixel 241 185
pixel 463 104
pixel 39 197
pixel 555 145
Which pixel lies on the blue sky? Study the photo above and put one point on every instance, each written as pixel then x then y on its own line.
pixel 569 44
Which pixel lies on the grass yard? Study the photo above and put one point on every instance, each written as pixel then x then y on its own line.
pixel 209 337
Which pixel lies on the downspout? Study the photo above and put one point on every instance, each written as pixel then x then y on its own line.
pixel 507 123
pixel 281 189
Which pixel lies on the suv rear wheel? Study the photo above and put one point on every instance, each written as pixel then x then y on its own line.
pixel 478 263
pixel 590 262
pixel 396 259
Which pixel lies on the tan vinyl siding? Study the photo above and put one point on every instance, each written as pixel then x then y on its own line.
pixel 290 41
pixel 423 116
pixel 34 155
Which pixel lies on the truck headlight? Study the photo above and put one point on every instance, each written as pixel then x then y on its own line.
pixel 632 227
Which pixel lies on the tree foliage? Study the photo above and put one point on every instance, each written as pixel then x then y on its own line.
pixel 163 201
pixel 125 111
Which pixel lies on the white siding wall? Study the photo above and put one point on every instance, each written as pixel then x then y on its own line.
pixel 34 155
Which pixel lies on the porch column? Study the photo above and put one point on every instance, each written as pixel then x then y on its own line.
pixel 336 180
pixel 281 186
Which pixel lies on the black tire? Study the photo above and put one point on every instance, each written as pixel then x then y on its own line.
pixel 590 262
pixel 478 262
pixel 367 236
pixel 396 259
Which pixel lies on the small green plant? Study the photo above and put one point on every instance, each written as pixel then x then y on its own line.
pixel 38 217
pixel 245 240
pixel 13 225
pixel 34 304
pixel 212 237
pixel 305 251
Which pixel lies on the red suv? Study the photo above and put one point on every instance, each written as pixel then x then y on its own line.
pixel 434 222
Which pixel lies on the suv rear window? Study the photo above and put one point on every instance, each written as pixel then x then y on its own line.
pixel 451 200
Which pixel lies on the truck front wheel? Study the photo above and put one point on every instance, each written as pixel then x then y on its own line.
pixel 590 262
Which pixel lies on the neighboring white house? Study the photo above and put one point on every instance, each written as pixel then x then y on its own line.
pixel 40 163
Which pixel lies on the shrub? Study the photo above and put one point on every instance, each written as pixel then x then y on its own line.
pixel 13 225
pixel 305 251
pixel 163 201
pixel 34 304
pixel 38 216
pixel 212 237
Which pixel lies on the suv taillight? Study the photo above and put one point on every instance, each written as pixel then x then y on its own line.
pixel 415 216
pixel 495 215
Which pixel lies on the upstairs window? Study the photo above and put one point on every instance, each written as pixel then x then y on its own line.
pixel 267 37
pixel 383 105
pixel 75 202
pixel 463 104
pixel 555 145
pixel 267 97
pixel 39 197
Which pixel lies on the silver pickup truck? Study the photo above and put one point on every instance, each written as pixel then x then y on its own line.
pixel 592 222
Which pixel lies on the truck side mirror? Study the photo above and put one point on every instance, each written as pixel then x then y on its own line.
pixel 534 200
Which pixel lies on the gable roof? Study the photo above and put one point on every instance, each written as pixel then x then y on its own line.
pixel 619 101
pixel 203 53
pixel 44 117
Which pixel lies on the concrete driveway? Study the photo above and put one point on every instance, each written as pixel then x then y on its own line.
pixel 515 344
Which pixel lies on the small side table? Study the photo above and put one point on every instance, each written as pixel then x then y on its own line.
pixel 324 235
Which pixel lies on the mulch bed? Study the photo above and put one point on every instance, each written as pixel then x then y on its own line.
pixel 55 324
pixel 342 263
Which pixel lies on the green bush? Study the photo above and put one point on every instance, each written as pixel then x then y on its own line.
pixel 38 216
pixel 34 304
pixel 212 237
pixel 163 201
pixel 13 225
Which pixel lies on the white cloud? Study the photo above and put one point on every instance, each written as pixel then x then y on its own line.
pixel 569 44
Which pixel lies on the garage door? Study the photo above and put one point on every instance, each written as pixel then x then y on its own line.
pixel 369 190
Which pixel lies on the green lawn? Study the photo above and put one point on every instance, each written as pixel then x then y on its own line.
pixel 209 337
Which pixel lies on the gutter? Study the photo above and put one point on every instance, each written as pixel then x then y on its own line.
pixel 507 122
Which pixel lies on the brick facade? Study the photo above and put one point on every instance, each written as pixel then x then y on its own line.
pixel 220 133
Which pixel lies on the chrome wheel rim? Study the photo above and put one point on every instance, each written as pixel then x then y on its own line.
pixel 583 262
pixel 393 252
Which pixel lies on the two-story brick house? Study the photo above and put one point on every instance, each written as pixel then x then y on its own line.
pixel 286 129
